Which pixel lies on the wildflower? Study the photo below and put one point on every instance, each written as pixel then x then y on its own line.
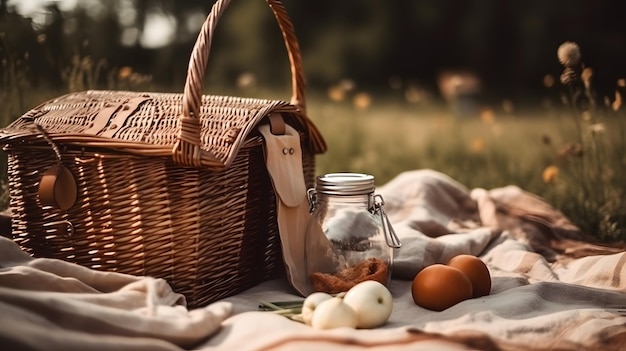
pixel 570 149
pixel 621 89
pixel 335 93
pixel 477 145
pixel 362 100
pixel 413 94
pixel 597 128
pixel 487 116
pixel 568 76
pixel 347 84
pixel 548 80
pixel 246 80
pixel 586 76
pixel 550 174
pixel 395 82
pixel 569 54
pixel 617 103
pixel 125 72
pixel 339 91
pixel 508 106
pixel 86 63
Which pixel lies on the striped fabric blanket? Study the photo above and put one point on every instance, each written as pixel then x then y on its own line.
pixel 552 289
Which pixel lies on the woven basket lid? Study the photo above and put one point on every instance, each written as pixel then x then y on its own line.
pixel 149 123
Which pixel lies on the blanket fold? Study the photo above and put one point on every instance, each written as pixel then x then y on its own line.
pixel 553 288
pixel 48 303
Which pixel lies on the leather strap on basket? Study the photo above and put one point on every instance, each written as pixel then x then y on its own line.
pixel 187 150
pixel 283 157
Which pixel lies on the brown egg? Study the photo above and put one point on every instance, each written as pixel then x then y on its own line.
pixel 477 272
pixel 438 287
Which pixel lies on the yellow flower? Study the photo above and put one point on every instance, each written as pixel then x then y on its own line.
pixel 477 145
pixel 550 173
pixel 487 116
pixel 617 103
pixel 125 72
pixel 336 93
pixel 586 76
pixel 362 100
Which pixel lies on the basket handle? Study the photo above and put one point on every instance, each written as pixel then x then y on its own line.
pixel 187 150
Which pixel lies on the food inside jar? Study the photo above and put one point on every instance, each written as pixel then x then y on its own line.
pixel 334 283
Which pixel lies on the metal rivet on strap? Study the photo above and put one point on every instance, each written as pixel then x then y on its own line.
pixel 285 151
pixel 291 151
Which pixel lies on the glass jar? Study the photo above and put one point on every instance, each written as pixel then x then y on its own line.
pixel 349 238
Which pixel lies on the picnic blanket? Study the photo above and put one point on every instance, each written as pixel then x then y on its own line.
pixel 553 289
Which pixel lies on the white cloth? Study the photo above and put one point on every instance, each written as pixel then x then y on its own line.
pixel 552 289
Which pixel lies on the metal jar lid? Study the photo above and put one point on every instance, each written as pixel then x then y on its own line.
pixel 345 184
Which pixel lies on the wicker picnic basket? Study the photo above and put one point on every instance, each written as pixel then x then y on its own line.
pixel 167 185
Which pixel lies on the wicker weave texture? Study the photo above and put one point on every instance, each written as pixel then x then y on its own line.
pixel 152 127
pixel 172 186
pixel 210 234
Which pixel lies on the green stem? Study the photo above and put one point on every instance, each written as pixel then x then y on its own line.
pixel 280 305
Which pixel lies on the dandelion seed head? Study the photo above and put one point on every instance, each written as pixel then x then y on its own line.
pixel 569 54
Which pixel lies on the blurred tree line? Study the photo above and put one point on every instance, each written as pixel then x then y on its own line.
pixel 509 44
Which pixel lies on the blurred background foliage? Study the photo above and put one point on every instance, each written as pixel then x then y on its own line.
pixel 469 88
pixel 509 44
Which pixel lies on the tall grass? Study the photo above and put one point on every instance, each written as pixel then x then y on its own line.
pixel 574 159
pixel 528 149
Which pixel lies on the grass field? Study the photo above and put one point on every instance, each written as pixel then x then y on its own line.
pixel 540 151
pixel 575 162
